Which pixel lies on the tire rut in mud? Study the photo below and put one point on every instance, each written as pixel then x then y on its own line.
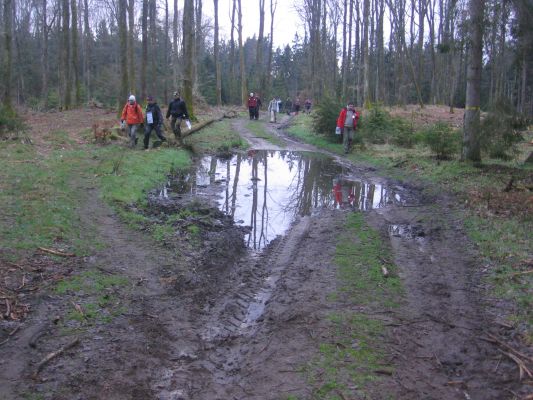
pixel 227 330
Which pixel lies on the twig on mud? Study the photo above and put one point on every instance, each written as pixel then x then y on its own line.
pixel 521 365
pixel 56 252
pixel 515 274
pixel 268 343
pixel 494 339
pixel 23 282
pixel 444 322
pixel 10 335
pixel 498 364
pixel 8 309
pixel 53 355
pixel 437 359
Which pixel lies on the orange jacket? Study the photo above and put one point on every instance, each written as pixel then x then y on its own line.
pixel 132 114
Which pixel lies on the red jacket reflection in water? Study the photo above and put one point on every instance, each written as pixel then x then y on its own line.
pixel 344 196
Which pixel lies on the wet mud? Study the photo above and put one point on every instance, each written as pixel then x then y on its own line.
pixel 234 300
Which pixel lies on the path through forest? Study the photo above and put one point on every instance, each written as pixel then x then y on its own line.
pixel 185 329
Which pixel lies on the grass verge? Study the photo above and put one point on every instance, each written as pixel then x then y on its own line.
pixel 259 130
pixel 354 355
pixel 217 137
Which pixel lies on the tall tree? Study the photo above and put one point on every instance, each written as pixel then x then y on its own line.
pixel 131 46
pixel 44 52
pixel 471 149
pixel 273 6
pixel 75 55
pixel 8 57
pixel 188 53
pixel 244 92
pixel 175 44
pixel 65 55
pixel 259 81
pixel 217 61
pixel 123 51
pixel 144 33
pixel 87 39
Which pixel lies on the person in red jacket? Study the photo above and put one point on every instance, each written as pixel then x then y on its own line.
pixel 132 115
pixel 347 123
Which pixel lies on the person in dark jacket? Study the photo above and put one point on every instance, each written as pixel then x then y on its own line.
pixel 153 121
pixel 177 109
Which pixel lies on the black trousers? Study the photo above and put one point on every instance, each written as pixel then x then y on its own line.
pixel 148 128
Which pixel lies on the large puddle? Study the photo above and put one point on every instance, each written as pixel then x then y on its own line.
pixel 267 190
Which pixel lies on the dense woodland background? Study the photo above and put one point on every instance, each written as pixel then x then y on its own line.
pixel 64 53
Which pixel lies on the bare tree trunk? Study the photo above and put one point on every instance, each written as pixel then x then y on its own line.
pixel 217 61
pixel 232 52
pixel 349 49
pixel 8 59
pixel 273 6
pixel 144 28
pixel 75 55
pixel 188 53
pixel 259 75
pixel 471 148
pixel 65 52
pixel 523 91
pixel 44 54
pixel 380 64
pixel 87 45
pixel 366 63
pixel 344 60
pixel 175 45
pixel 153 46
pixel 198 42
pixel 166 55
pixel 241 54
pixel 123 63
pixel 131 45
pixel 422 6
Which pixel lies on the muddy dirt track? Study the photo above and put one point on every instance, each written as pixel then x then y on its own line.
pixel 190 325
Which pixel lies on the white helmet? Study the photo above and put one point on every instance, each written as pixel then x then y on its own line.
pixel 131 98
pixel 251 94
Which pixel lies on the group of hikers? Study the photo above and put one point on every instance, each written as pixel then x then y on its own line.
pixel 275 106
pixel 132 119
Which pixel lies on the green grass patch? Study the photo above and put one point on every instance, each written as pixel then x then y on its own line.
pixel 347 362
pixel 95 293
pixel 126 175
pixel 219 136
pixel 39 207
pixel 259 130
pixel 506 244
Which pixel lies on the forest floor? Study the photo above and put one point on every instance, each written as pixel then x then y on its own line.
pixel 141 315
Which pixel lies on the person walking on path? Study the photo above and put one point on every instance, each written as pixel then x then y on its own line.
pixel 296 106
pixel 153 121
pixel 347 123
pixel 132 116
pixel 273 109
pixel 308 106
pixel 177 109
pixel 253 106
pixel 288 106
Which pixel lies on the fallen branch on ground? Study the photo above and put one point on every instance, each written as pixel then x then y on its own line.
pixel 199 127
pixel 56 252
pixel 53 355
pixel 520 273
pixel 521 365
pixel 494 339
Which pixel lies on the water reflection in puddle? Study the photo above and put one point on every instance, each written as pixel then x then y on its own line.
pixel 267 190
